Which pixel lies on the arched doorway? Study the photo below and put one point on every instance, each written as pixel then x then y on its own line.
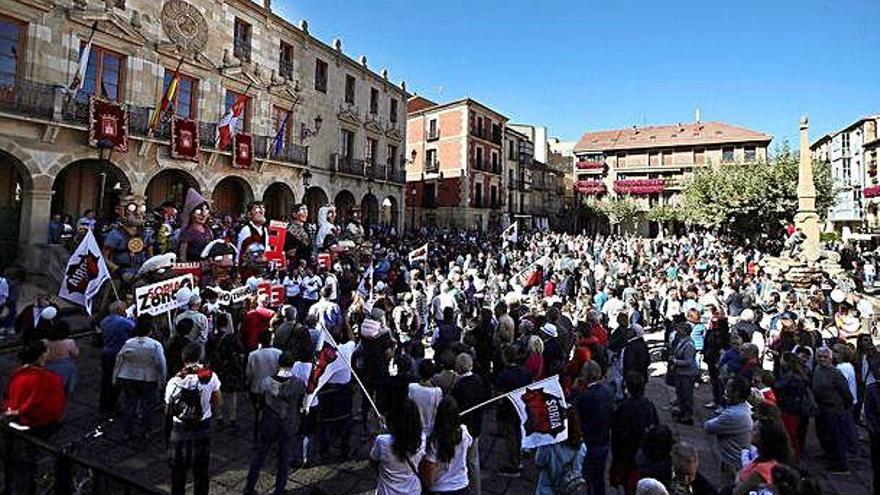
pixel 370 210
pixel 231 196
pixel 14 181
pixel 170 185
pixel 278 199
pixel 89 185
pixel 389 211
pixel 315 198
pixel 344 203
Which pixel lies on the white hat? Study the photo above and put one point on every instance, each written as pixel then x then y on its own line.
pixel 747 315
pixel 380 286
pixel 838 296
pixel 550 329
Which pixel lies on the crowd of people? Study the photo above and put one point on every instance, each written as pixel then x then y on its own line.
pixel 476 315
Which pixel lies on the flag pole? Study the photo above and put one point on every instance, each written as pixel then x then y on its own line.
pixel 91 37
pixel 115 293
pixel 498 397
pixel 217 141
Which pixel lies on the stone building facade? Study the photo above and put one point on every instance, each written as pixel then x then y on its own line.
pixel 343 122
pixel 852 154
pixel 456 172
pixel 650 164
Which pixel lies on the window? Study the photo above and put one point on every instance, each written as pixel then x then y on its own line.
pixel 478 195
pixel 285 61
pixel 496 133
pixel 667 157
pixel 281 120
pixel 751 154
pixel 493 196
pixel 479 127
pixel 495 167
pixel 479 159
pixel 727 154
pixel 11 47
pixel 392 112
pixel 350 85
pixel 119 4
pixel 105 74
pixel 699 156
pixel 621 159
pixel 653 158
pixel 431 160
pixel 846 170
pixel 433 132
pixel 242 40
pixel 391 159
pixel 374 101
pixel 185 102
pixel 844 143
pixel 346 143
pixel 511 145
pixel 370 153
pixel 320 75
pixel 231 96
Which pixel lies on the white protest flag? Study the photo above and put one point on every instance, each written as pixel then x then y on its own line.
pixel 542 412
pixel 326 363
pixel 85 273
pixel 511 234
pixel 419 254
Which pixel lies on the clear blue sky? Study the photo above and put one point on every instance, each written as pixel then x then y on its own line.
pixel 577 65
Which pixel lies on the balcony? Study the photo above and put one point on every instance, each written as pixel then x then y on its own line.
pixel 433 135
pixel 376 171
pixel 432 166
pixel 264 148
pixel 492 137
pixel 241 48
pixel 349 111
pixel 494 168
pixel 590 187
pixel 590 165
pixel 346 165
pixel 31 99
pixel 397 176
pixel 639 187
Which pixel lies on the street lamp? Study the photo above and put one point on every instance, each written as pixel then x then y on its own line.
pixel 412 206
pixel 105 151
pixel 305 132
pixel 306 179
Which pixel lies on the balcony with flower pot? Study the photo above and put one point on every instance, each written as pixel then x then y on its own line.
pixel 639 187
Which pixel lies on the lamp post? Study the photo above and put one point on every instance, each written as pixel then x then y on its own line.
pixel 105 150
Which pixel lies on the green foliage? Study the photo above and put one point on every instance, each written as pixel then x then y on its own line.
pixel 755 198
pixel 666 213
pixel 829 237
pixel 619 210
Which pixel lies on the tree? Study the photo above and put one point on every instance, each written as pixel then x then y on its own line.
pixel 754 199
pixel 620 210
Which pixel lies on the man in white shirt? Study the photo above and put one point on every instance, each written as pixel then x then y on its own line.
pixel 190 398
pixel 311 284
pixel 613 307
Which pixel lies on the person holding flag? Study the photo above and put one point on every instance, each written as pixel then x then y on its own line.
pixel 419 254
pixel 511 234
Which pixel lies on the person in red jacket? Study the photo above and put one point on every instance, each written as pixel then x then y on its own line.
pixel 255 322
pixel 34 399
pixel 35 395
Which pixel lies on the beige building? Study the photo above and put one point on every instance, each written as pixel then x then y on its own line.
pixel 650 163
pixel 344 138
pixel 456 172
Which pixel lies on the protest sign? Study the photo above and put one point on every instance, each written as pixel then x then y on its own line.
pixel 159 298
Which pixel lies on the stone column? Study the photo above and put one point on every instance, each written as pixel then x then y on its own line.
pixel 35 207
pixel 806 218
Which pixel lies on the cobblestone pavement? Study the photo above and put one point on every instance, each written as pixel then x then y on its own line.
pixel 144 459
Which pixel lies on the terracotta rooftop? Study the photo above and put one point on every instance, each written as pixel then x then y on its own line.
pixel 665 136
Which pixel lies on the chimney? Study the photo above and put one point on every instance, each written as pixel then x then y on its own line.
pixel 697 115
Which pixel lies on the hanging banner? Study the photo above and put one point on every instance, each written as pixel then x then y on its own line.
pixel 277 235
pixel 159 298
pixel 108 124
pixel 184 139
pixel 242 151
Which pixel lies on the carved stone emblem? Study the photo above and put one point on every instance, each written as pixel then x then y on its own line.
pixel 184 25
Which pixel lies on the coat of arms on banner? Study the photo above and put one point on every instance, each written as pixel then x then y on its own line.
pixel 243 151
pixel 108 123
pixel 184 139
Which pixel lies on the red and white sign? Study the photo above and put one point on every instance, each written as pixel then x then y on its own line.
pixel 160 298
pixel 243 151
pixel 277 235
pixel 275 293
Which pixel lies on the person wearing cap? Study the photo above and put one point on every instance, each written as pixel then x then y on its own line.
pixel 552 354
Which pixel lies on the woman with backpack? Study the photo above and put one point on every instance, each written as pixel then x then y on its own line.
pixel 559 465
pixel 444 468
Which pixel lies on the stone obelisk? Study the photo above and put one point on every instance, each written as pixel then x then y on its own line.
pixel 806 219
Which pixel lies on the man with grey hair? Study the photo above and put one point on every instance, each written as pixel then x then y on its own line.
pixel 470 390
pixel 285 330
pixel 650 486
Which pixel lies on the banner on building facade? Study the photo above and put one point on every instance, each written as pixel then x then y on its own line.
pixel 277 235
pixel 184 139
pixel 160 298
pixel 243 151
pixel 108 124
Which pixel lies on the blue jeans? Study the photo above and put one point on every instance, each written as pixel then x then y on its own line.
pixel 273 433
pixel 138 395
pixel 594 469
